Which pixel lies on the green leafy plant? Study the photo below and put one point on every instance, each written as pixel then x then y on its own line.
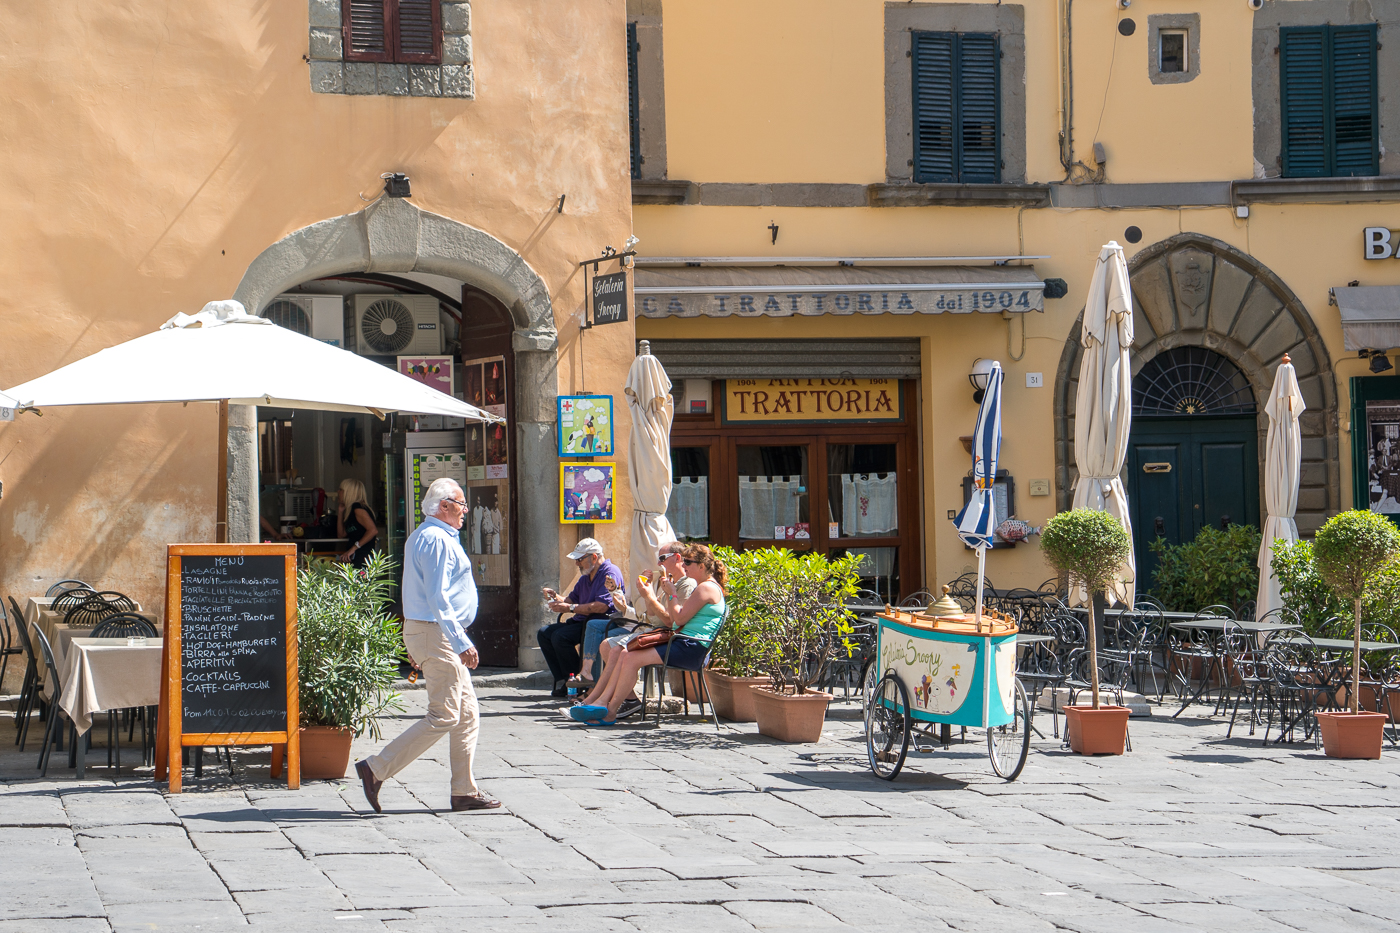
pixel 1091 547
pixel 1305 595
pixel 787 614
pixel 348 647
pixel 1220 567
pixel 1349 550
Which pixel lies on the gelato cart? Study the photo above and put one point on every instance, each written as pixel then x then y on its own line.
pixel 940 668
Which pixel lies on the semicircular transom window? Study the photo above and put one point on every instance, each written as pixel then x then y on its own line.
pixel 1191 381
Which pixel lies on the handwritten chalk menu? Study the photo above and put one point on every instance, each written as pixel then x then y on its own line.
pixel 230 651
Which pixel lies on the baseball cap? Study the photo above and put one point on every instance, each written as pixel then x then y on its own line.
pixel 586 546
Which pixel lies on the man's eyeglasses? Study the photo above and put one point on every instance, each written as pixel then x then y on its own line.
pixel 460 503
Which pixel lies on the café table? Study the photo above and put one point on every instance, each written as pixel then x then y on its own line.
pixel 1345 644
pixel 107 674
pixel 60 633
pixel 1217 624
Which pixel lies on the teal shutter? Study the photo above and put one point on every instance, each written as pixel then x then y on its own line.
pixel 935 89
pixel 634 125
pixel 1354 103
pixel 957 107
pixel 979 109
pixel 1327 96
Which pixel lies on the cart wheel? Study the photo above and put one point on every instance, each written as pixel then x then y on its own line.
pixel 887 727
pixel 1007 745
pixel 869 680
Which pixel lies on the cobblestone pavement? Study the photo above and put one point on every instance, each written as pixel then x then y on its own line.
pixel 635 828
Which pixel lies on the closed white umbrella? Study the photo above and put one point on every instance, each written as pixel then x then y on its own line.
pixel 648 391
pixel 1282 458
pixel 1103 410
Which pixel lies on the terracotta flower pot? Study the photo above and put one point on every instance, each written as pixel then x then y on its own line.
pixel 788 717
pixel 325 752
pixel 732 697
pixel 1352 735
pixel 1102 731
pixel 684 683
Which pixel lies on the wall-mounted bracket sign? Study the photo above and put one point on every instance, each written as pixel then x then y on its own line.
pixel 585 425
pixel 229 656
pixel 607 294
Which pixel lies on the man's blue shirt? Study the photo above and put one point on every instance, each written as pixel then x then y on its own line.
pixel 437 581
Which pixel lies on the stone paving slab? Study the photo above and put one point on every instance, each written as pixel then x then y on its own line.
pixel 644 829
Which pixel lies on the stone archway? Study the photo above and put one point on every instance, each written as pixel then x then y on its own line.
pixel 393 235
pixel 1193 290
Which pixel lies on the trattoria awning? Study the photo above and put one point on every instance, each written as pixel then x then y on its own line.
pixel 1370 316
pixel 784 291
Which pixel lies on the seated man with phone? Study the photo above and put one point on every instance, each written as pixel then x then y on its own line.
pixel 590 598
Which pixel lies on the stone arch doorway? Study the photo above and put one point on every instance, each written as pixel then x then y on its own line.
pixel 1192 290
pixel 394 236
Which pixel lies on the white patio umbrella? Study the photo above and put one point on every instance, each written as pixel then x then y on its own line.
pixel 225 355
pixel 648 391
pixel 1282 459
pixel 1103 410
pixel 977 521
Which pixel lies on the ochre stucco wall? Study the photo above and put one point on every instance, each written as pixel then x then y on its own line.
pixel 155 149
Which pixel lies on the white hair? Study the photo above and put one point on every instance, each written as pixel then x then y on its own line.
pixel 440 489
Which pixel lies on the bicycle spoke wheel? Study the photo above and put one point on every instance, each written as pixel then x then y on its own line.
pixel 869 680
pixel 1007 745
pixel 887 727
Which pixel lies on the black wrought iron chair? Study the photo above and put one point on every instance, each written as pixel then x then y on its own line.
pixel 8 638
pixel 56 714
pixel 124 625
pixel 703 695
pixel 63 586
pixel 1296 683
pixel 920 600
pixel 69 600
pixel 121 601
pixel 90 612
pixel 29 692
pixel 1380 676
pixel 1246 673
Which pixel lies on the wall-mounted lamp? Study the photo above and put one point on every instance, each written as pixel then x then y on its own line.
pixel 981 373
pixel 1380 362
pixel 396 185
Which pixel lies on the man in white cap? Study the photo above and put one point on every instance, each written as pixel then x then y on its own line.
pixel 439 604
pixel 589 599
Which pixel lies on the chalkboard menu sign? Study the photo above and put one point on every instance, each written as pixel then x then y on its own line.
pixel 230 651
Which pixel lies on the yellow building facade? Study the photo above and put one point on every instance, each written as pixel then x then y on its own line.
pixel 847 151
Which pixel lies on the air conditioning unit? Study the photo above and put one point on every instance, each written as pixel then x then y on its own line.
pixel 319 316
pixel 397 325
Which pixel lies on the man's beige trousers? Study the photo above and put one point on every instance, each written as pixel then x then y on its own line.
pixel 452 710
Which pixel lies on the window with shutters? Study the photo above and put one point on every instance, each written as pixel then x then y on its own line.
pixel 402 31
pixel 1328 98
pixel 957 107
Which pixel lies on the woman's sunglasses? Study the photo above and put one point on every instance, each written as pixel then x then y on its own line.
pixel 687 560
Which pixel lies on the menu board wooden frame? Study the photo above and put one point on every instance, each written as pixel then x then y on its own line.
pixel 170 738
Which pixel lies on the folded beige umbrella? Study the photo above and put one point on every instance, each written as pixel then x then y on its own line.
pixel 1282 460
pixel 648 391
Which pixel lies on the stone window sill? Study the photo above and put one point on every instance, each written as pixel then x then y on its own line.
pixel 330 74
pixel 908 194
pixel 1317 190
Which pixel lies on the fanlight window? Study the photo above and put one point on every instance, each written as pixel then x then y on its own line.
pixel 1191 381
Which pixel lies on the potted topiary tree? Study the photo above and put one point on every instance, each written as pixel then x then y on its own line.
pixel 738 655
pixel 348 657
pixel 1348 551
pixel 1091 547
pixel 797 607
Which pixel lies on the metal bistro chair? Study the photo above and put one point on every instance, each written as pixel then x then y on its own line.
pixel 28 694
pixel 665 666
pixel 90 612
pixel 56 714
pixel 126 625
pixel 7 641
pixel 69 600
pixel 1247 675
pixel 1379 672
pixel 1291 658
pixel 63 586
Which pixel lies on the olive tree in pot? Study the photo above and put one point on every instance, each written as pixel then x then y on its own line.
pixel 348 651
pixel 738 656
pixel 797 605
pixel 1091 547
pixel 1348 551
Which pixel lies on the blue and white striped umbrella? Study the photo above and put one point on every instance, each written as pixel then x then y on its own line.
pixel 977 520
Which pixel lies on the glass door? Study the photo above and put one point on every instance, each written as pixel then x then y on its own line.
pixel 691 509
pixel 775 493
pixel 863 509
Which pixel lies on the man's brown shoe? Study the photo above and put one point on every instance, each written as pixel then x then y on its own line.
pixel 477 802
pixel 371 784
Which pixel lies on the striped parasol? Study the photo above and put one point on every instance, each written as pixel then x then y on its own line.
pixel 977 519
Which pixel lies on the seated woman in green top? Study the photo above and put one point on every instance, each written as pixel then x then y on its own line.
pixel 697 620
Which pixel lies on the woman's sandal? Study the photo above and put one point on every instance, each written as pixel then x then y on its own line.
pixel 587 713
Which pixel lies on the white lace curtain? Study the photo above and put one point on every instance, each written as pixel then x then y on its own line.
pixel 765 502
pixel 868 504
pixel 689 508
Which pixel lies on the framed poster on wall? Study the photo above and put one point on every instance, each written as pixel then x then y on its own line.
pixel 486 531
pixel 586 493
pixel 435 372
pixel 585 425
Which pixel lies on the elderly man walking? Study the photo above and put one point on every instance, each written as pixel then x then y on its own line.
pixel 439 603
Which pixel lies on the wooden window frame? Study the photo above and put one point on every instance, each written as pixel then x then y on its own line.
pixel 392 53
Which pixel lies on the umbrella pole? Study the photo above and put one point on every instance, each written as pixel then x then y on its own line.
pixel 981 566
pixel 221 482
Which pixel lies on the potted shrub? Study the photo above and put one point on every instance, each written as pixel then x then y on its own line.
pixel 1090 546
pixel 348 651
pixel 796 606
pixel 737 658
pixel 1348 551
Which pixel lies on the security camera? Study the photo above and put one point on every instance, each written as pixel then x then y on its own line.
pixel 1256 4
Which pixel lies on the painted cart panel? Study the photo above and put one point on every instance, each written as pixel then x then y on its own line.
pixel 952 678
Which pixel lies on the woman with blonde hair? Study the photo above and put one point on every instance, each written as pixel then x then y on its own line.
pixel 354 520
pixel 695 622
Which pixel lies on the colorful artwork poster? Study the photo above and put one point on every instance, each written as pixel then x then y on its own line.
pixel 586 492
pixel 424 468
pixel 435 372
pixel 585 425
pixel 476 444
pixel 493 390
pixel 472 377
pixel 486 532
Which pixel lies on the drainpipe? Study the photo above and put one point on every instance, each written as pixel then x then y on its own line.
pixel 1066 88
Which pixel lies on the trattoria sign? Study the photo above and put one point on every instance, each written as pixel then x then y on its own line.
pixel 784 401
pixel 723 301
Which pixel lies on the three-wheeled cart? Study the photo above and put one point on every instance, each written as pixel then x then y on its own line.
pixel 945 672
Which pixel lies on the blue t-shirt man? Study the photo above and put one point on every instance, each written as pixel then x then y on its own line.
pixel 588 599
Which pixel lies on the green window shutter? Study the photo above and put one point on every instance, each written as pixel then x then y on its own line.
pixel 979 109
pixel 1303 100
pixel 1354 106
pixel 935 105
pixel 634 124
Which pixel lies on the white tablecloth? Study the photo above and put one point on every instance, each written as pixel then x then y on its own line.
pixel 59 636
pixel 105 674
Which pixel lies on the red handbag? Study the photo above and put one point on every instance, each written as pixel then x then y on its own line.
pixel 650 639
